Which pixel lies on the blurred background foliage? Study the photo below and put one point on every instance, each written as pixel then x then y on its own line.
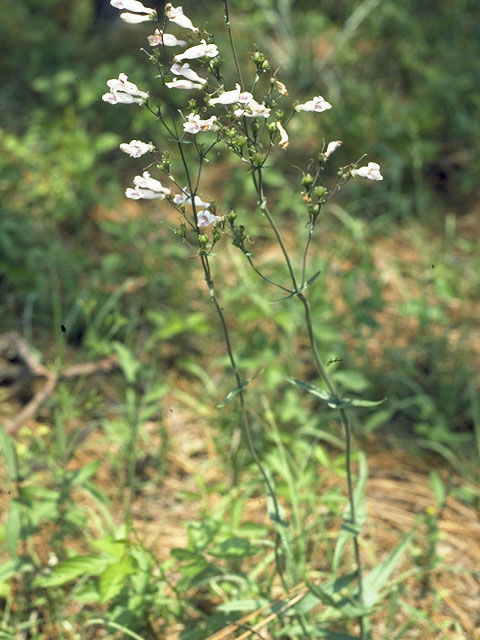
pixel 402 79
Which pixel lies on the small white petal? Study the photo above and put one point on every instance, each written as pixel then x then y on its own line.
pixel 254 110
pixel 283 135
pixel 205 218
pixel 132 5
pixel 185 71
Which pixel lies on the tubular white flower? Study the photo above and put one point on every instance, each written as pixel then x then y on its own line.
pixel 134 18
pixel 371 171
pixel 181 83
pixel 253 109
pixel 136 148
pixel 140 13
pixel 317 103
pixel 123 92
pixel 232 97
pixel 132 5
pixel 331 147
pixel 185 71
pixel 184 198
pixel 167 39
pixel 283 135
pixel 194 124
pixel 198 51
pixel 147 188
pixel 205 218
pixel 176 15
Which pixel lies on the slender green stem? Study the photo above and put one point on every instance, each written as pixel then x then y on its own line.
pixel 230 37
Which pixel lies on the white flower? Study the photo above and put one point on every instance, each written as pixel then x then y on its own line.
pixel 124 92
pixel 317 103
pixel 140 13
pixel 331 147
pixel 180 83
pixel 232 97
pixel 166 39
pixel 184 198
pixel 185 71
pixel 283 135
pixel 176 15
pixel 147 188
pixel 194 124
pixel 198 51
pixel 253 109
pixel 371 171
pixel 136 148
pixel 205 218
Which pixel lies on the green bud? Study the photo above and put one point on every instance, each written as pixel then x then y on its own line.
pixel 232 216
pixel 307 180
pixel 272 127
pixel 314 209
pixel 279 114
pixel 202 239
pixel 216 235
pixel 266 66
pixel 320 191
pixel 257 159
pixel 258 58
pixel 241 140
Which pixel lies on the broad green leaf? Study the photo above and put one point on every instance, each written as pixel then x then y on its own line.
pixel 71 569
pixel 349 529
pixel 233 548
pixel 13 528
pixel 374 581
pixel 112 579
pixel 110 546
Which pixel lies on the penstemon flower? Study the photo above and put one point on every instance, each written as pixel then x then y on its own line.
pixel 371 171
pixel 231 97
pixel 147 188
pixel 176 15
pixel 182 83
pixel 124 92
pixel 136 148
pixel 184 198
pixel 205 218
pixel 253 110
pixel 167 39
pixel 140 13
pixel 198 51
pixel 185 71
pixel 195 124
pixel 331 147
pixel 317 103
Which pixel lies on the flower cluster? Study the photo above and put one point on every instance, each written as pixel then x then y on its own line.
pixel 243 103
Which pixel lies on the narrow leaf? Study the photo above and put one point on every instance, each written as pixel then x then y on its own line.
pixel 377 578
pixel 234 392
pixel 13 528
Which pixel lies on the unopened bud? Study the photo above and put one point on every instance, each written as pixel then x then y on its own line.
pixel 307 180
pixel 320 191
pixel 266 66
pixel 232 216
pixel 258 58
pixel 202 239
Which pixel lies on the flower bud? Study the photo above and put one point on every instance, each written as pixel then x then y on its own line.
pixel 258 58
pixel 202 239
pixel 257 159
pixel 216 235
pixel 266 66
pixel 232 216
pixel 320 191
pixel 307 180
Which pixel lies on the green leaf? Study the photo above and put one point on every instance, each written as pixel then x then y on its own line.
pixel 234 392
pixel 71 569
pixel 438 488
pixel 311 280
pixel 377 578
pixel 112 579
pixel 242 605
pixel 128 363
pixel 13 528
pixel 233 548
pixel 351 380
pixel 349 529
pixel 10 455
pixel 332 401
